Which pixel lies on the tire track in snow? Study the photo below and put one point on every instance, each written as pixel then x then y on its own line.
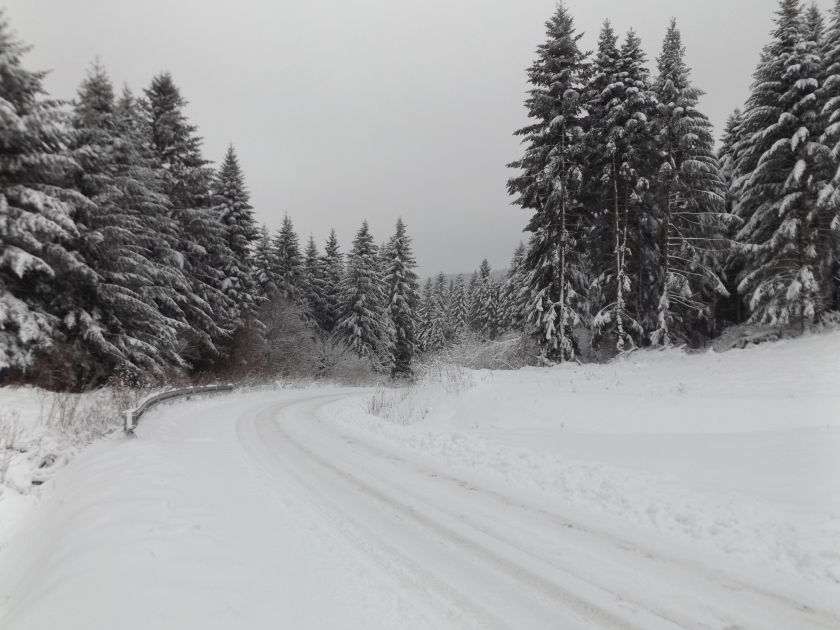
pixel 814 617
pixel 542 590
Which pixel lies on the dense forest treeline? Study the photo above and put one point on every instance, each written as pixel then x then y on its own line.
pixel 641 232
pixel 124 253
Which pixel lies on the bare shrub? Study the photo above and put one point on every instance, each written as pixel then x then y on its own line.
pixel 86 417
pixel 454 378
pixel 512 352
pixel 11 435
pixel 398 405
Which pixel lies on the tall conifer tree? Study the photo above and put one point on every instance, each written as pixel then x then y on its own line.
pixel 550 181
pixel 363 325
pixel 402 300
pixel 778 160
pixel 690 196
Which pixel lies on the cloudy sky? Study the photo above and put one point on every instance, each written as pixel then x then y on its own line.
pixel 344 109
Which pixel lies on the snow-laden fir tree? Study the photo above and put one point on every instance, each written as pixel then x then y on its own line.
pixel 232 198
pixel 549 183
pixel 332 266
pixel 619 156
pixel 38 264
pixel 458 308
pixel 472 301
pixel 689 193
pixel 515 292
pixel 441 307
pixel 287 261
pixel 313 281
pixel 779 159
pixel 727 156
pixel 209 312
pixel 402 298
pixel 264 279
pixel 127 236
pixel 487 315
pixel 432 325
pixel 364 325
pixel 829 199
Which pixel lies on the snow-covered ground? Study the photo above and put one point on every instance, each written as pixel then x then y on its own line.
pixel 660 491
pixel 738 451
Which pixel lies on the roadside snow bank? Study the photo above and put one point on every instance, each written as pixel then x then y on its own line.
pixel 40 432
pixel 738 452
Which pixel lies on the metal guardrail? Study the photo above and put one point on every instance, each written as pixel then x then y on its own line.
pixel 132 416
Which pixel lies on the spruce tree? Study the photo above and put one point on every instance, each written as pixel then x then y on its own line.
pixel 39 268
pixel 209 312
pixel 829 198
pixel 264 279
pixel 126 236
pixel 363 324
pixel 487 316
pixel 458 308
pixel 473 301
pixel 402 299
pixel 515 292
pixel 432 325
pixel 776 172
pixel 619 155
pixel 690 196
pixel 549 183
pixel 232 198
pixel 313 282
pixel 332 265
pixel 287 261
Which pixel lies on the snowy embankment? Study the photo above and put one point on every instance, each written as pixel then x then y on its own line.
pixel 40 432
pixel 732 457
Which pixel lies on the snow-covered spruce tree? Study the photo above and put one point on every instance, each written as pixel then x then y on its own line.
pixel 619 156
pixel 263 264
pixel 458 308
pixel 332 265
pixel 208 311
pixel 313 281
pixel 730 310
pixel 287 261
pixel 549 181
pixel 689 193
pixel 432 332
pixel 727 155
pixel 487 318
pixel 402 298
pixel 472 301
pixel 126 236
pixel 39 269
pixel 364 325
pixel 232 198
pixel 778 159
pixel 515 292
pixel 829 199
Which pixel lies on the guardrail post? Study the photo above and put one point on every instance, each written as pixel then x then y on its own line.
pixel 128 425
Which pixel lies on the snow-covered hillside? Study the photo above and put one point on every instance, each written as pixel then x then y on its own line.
pixel 737 451
pixel 663 490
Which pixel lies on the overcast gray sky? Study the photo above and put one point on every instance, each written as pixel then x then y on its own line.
pixel 344 109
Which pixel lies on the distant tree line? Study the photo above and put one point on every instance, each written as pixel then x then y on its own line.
pixel 645 235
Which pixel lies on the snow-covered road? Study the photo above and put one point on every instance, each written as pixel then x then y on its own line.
pixel 263 511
